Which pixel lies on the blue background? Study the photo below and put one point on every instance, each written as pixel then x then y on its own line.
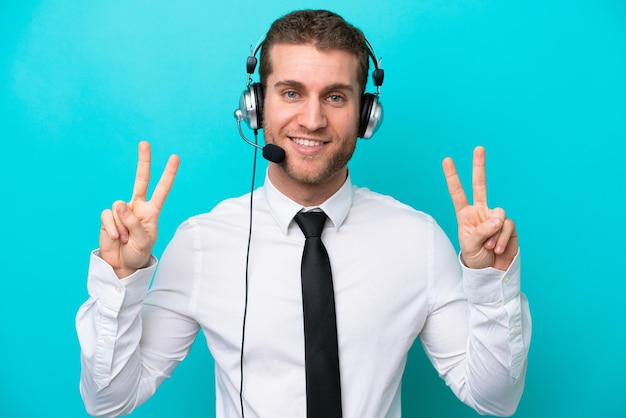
pixel 542 84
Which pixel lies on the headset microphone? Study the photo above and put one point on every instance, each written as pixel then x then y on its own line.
pixel 271 152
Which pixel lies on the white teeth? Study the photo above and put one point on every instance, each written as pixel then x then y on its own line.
pixel 306 142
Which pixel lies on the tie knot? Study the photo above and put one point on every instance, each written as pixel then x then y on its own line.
pixel 311 223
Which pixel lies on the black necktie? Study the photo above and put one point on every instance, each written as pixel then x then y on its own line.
pixel 323 389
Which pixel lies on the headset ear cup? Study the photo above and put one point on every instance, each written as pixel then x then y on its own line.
pixel 258 98
pixel 366 108
pixel 251 106
pixel 371 115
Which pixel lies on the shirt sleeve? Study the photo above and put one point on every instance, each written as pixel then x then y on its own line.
pixel 490 287
pixel 120 366
pixel 478 332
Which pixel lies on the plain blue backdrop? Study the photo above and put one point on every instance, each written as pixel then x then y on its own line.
pixel 542 84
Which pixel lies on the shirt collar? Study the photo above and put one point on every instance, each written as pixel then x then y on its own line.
pixel 283 209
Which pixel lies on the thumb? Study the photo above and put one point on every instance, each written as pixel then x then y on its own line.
pixel 135 233
pixel 493 225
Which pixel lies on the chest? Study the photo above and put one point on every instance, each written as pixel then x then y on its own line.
pixel 380 295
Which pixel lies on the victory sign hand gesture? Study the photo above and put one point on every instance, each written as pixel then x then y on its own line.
pixel 129 230
pixel 486 236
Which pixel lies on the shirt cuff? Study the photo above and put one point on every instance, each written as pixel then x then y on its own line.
pixel 112 292
pixel 490 285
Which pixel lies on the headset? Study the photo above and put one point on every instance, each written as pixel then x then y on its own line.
pixel 251 102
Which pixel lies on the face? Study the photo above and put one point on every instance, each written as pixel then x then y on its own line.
pixel 311 110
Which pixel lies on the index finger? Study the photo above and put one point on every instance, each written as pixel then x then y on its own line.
pixel 164 185
pixel 459 199
pixel 142 176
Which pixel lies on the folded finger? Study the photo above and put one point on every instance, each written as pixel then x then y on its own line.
pixel 488 232
pixel 132 227
pixel 107 224
pixel 507 231
pixel 119 212
pixel 491 242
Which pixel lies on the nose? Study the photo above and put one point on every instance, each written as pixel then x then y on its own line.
pixel 312 115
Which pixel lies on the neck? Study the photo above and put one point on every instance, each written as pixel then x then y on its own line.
pixel 303 193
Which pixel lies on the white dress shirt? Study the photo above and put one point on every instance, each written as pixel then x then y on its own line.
pixel 396 277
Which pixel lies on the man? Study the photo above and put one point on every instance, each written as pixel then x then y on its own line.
pixel 395 273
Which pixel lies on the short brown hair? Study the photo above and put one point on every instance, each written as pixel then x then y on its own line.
pixel 323 29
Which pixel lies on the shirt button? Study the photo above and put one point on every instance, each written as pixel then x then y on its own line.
pixel 506 279
pixel 107 340
pixel 118 289
pixel 515 330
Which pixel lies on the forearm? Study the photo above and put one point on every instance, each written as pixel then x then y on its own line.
pixel 496 364
pixel 498 340
pixel 109 327
pixel 478 341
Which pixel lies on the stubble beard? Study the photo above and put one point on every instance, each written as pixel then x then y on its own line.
pixel 321 172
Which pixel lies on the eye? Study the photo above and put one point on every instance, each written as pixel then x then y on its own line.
pixel 335 98
pixel 291 94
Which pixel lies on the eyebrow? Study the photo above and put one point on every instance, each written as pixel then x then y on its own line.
pixel 298 85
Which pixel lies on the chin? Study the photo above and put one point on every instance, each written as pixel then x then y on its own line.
pixel 312 175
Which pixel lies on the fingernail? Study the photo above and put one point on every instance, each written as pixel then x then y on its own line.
pixel 497 222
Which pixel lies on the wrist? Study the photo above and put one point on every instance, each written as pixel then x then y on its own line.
pixel 122 273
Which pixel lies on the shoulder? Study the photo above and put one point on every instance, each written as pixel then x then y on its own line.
pixel 378 204
pixel 229 211
pixel 395 222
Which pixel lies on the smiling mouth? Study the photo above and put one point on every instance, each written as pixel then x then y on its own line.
pixel 307 142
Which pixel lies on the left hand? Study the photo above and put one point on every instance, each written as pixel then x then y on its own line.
pixel 486 236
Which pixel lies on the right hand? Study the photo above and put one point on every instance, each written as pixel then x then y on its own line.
pixel 129 230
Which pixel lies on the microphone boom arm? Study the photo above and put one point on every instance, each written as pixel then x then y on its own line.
pixel 271 152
